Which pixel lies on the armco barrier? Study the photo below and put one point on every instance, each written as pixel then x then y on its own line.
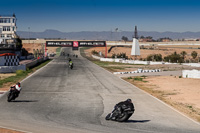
pixel 35 62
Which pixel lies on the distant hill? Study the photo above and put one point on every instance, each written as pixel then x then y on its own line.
pixel 105 35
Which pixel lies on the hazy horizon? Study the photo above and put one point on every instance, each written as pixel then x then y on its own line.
pixel 106 31
pixel 104 15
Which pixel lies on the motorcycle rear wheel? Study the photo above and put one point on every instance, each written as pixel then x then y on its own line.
pixel 10 97
pixel 124 117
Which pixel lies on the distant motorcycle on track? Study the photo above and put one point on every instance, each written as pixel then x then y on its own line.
pixel 71 65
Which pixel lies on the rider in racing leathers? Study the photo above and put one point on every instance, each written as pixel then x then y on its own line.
pixel 16 88
pixel 128 103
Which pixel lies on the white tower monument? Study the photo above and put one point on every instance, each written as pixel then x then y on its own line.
pixel 135 46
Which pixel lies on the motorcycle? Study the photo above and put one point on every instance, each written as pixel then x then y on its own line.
pixel 13 94
pixel 71 65
pixel 120 114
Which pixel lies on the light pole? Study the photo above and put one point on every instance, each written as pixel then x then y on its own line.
pixel 116 32
pixel 29 34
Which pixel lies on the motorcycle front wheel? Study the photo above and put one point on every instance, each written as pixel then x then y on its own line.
pixel 108 116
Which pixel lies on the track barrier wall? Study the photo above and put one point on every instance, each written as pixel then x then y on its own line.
pixel 12 69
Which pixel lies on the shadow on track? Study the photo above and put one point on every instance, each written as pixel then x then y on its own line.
pixel 137 121
pixel 25 101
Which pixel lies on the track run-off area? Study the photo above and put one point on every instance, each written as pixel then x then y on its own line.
pixel 56 99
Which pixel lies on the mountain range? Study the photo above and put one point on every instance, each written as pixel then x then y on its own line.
pixel 106 35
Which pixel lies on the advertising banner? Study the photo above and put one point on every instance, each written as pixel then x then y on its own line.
pixel 59 43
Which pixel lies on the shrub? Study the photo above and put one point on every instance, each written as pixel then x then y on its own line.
pixel 174 58
pixel 155 57
pixel 94 52
pixel 138 78
pixel 21 72
pixel 194 54
pixel 120 55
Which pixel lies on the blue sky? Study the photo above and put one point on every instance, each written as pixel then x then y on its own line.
pixel 104 15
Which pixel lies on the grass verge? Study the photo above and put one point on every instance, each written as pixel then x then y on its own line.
pixel 110 66
pixel 20 75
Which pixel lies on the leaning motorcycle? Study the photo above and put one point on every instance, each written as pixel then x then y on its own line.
pixel 120 114
pixel 12 95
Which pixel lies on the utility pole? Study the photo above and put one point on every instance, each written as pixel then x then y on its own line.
pixel 29 34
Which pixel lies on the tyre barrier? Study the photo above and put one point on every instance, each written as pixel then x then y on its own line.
pixel 10 60
pixel 139 71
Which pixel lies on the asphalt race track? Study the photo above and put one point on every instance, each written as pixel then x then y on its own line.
pixel 57 99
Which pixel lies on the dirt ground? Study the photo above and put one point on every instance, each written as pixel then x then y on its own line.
pixel 3 76
pixel 163 50
pixel 30 46
pixel 3 130
pixel 181 93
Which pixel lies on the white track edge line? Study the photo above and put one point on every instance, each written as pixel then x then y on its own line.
pixel 15 129
pixel 153 97
pixel 23 81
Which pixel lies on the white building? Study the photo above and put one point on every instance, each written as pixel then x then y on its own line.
pixel 7 28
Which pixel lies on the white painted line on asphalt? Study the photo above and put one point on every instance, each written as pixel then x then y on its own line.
pixel 31 75
pixel 21 82
pixel 1 92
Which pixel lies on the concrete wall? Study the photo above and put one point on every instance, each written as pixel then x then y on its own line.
pixel 12 69
pixel 191 74
pixel 133 61
pixel 2 61
pixel 35 62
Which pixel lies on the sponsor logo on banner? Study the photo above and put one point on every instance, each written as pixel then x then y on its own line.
pixel 75 44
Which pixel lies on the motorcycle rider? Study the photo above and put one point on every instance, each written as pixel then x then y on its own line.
pixel 69 59
pixel 127 103
pixel 16 88
pixel 71 64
